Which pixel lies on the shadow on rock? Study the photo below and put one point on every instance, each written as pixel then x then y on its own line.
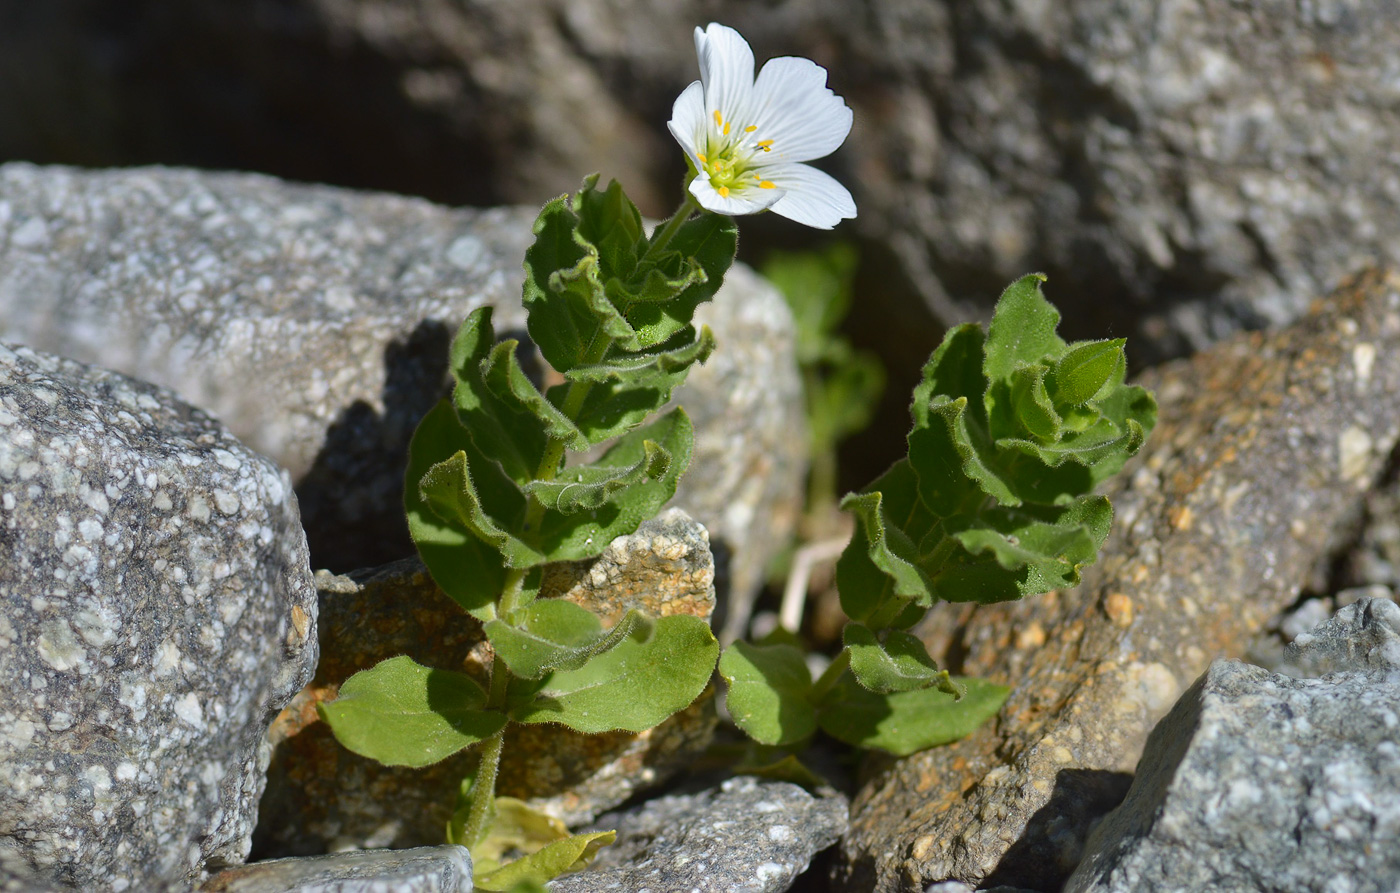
pixel 351 497
pixel 1053 842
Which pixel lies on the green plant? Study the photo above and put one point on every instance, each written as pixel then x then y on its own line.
pixel 1011 434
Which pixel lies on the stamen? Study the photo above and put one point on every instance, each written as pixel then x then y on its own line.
pixel 751 128
pixel 703 159
pixel 726 128
pixel 723 191
pixel 762 144
pixel 768 184
pixel 719 119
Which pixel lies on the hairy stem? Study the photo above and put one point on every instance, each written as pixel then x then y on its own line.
pixel 483 792
pixel 827 681
pixel 667 230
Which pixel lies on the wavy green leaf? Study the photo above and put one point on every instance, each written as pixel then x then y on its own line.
pixel 463 565
pixel 899 663
pixel 1086 369
pixel 586 487
pixel 882 563
pixel 402 713
pixel 583 534
pixel 450 488
pixel 1022 332
pixel 769 686
pixel 660 668
pixel 553 634
pixel 709 242
pixel 911 721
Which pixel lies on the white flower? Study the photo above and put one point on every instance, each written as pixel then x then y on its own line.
pixel 748 138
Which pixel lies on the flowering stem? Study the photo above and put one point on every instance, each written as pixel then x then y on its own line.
pixel 665 231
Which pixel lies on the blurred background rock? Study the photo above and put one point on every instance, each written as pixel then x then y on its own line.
pixel 1180 168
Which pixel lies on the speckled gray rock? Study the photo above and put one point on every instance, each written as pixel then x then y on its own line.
pixel 322 797
pixel 439 869
pixel 315 322
pixel 1180 168
pixel 157 610
pixel 1257 781
pixel 1362 637
pixel 746 836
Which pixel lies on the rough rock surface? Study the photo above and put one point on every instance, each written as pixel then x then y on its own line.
pixel 745 836
pixel 1185 167
pixel 1362 637
pixel 1257 781
pixel 157 613
pixel 321 796
pixel 1206 546
pixel 315 322
pixel 438 869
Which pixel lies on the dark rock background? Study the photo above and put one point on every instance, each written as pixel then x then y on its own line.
pixel 1181 169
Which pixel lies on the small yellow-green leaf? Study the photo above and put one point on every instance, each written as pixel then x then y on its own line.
pixel 768 692
pixel 560 857
pixel 516 829
pixel 402 713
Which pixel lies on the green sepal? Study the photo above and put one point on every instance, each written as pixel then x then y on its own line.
pixel 587 487
pixel 898 663
pixel 469 570
pixel 769 689
pixel 911 721
pixel 553 634
pixel 583 534
pixel 661 667
pixel 402 713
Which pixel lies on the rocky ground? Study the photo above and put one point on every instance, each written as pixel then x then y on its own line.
pixel 208 379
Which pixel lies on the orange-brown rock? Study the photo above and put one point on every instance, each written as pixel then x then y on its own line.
pixel 321 797
pixel 1265 449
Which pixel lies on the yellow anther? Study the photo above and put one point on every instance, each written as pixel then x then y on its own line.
pixel 703 159
pixel 719 119
pixel 726 128
pixel 764 144
pixel 723 191
pixel 751 128
pixel 768 184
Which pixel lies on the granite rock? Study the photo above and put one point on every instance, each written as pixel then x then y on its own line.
pixel 321 796
pixel 157 613
pixel 1184 168
pixel 439 869
pixel 1206 548
pixel 1257 781
pixel 746 835
pixel 315 322
pixel 1362 637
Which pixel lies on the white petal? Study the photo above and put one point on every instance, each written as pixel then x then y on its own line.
pixel 809 196
pixel 739 201
pixel 726 68
pixel 688 117
pixel 793 107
